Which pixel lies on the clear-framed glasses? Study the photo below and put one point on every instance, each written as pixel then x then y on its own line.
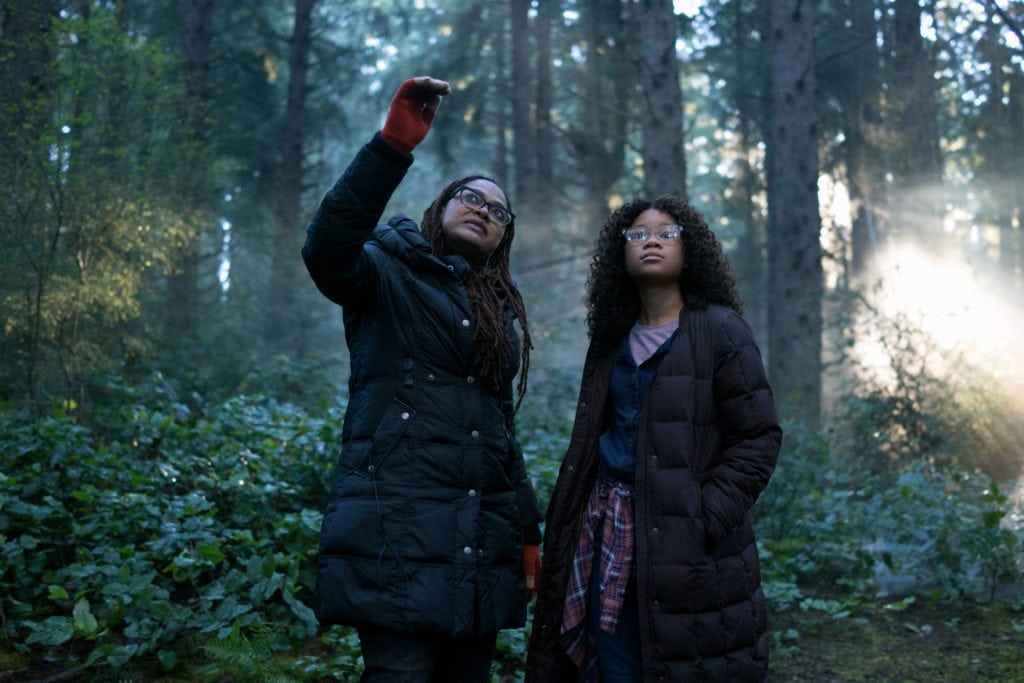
pixel 474 200
pixel 641 233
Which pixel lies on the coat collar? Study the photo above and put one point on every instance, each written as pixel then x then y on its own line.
pixel 402 237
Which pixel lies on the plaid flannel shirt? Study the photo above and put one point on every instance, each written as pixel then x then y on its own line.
pixel 610 513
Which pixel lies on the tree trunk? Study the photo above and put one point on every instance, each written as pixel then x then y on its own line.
pixel 661 112
pixel 284 326
pixel 181 311
pixel 524 137
pixel 858 92
pixel 1002 149
pixel 750 265
pixel 500 101
pixel 916 203
pixel 794 249
pixel 24 89
pixel 599 144
pixel 750 254
pixel 547 13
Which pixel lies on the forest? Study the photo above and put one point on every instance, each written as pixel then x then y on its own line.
pixel 172 385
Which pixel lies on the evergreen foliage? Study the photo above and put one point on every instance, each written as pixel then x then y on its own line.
pixel 164 460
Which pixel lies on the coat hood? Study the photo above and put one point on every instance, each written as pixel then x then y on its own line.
pixel 402 237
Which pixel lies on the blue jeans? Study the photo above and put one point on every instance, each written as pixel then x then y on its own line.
pixel 618 654
pixel 392 657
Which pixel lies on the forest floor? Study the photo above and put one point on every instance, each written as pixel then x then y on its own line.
pixel 919 643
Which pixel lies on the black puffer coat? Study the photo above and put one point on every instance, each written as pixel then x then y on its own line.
pixel 425 526
pixel 708 443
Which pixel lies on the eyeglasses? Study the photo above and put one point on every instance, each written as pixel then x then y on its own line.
pixel 472 199
pixel 641 233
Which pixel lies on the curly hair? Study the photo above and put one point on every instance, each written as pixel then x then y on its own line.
pixel 612 298
pixel 491 292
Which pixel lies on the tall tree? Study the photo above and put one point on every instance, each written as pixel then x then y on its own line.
pixel 914 155
pixel 547 14
pixel 26 84
pixel 503 100
pixel 182 307
pixel 1001 144
pixel 283 324
pixel 849 77
pixel 597 140
pixel 661 99
pixel 794 249
pixel 739 59
pixel 85 217
pixel 523 121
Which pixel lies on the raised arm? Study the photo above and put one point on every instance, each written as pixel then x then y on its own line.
pixel 350 210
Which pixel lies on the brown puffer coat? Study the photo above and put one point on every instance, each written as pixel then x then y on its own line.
pixel 708 444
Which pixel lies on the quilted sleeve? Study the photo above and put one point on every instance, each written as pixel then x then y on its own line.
pixel 749 426
pixel 345 219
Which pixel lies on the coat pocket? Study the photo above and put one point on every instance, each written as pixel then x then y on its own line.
pixel 389 432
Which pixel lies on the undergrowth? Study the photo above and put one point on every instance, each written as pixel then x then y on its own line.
pixel 176 540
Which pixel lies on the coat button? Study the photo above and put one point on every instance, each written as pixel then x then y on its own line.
pixel 470 379
pixel 472 493
pixel 475 434
pixel 571 468
pixel 431 377
pixel 405 416
pixel 467 550
pixel 465 323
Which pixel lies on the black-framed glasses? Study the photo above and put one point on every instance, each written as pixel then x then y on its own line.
pixel 474 200
pixel 641 233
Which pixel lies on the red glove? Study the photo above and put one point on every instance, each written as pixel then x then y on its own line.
pixel 412 111
pixel 531 567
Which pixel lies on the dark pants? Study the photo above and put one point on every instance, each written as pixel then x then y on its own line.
pixel 392 657
pixel 618 654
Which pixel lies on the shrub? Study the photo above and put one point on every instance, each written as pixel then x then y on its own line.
pixel 182 525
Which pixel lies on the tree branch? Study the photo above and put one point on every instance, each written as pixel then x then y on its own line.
pixel 1010 24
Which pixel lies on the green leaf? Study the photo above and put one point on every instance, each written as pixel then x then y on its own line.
pixel 993 517
pixel 120 656
pixel 59 593
pixel 211 553
pixel 84 620
pixel 168 659
pixel 53 631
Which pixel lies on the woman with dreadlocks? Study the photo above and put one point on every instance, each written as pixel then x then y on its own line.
pixel 429 544
pixel 650 565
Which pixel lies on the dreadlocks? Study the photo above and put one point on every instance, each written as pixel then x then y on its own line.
pixel 491 292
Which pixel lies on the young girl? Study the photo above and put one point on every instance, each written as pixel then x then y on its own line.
pixel 650 563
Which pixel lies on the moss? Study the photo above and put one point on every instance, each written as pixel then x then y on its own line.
pixel 919 643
